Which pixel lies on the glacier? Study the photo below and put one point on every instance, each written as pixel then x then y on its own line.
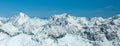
pixel 59 30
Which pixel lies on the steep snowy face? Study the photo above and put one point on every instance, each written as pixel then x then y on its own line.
pixel 19 20
pixel 59 30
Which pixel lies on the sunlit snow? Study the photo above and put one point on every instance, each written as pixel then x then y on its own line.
pixel 59 30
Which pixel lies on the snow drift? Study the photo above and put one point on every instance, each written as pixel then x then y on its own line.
pixel 59 30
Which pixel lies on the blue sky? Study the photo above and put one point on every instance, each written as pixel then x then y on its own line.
pixel 47 8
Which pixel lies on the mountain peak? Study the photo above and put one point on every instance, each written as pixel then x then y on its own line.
pixel 116 17
pixel 19 19
pixel 21 14
pixel 64 15
pixel 60 16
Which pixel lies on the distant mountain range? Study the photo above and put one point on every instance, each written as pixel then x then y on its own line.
pixel 59 30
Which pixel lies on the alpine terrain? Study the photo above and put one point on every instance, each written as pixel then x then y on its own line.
pixel 59 30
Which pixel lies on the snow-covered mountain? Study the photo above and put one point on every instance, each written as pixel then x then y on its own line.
pixel 59 30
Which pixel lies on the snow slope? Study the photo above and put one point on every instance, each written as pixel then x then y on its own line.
pixel 59 30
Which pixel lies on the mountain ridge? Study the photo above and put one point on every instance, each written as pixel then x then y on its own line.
pixel 60 30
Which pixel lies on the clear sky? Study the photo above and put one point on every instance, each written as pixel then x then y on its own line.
pixel 46 8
